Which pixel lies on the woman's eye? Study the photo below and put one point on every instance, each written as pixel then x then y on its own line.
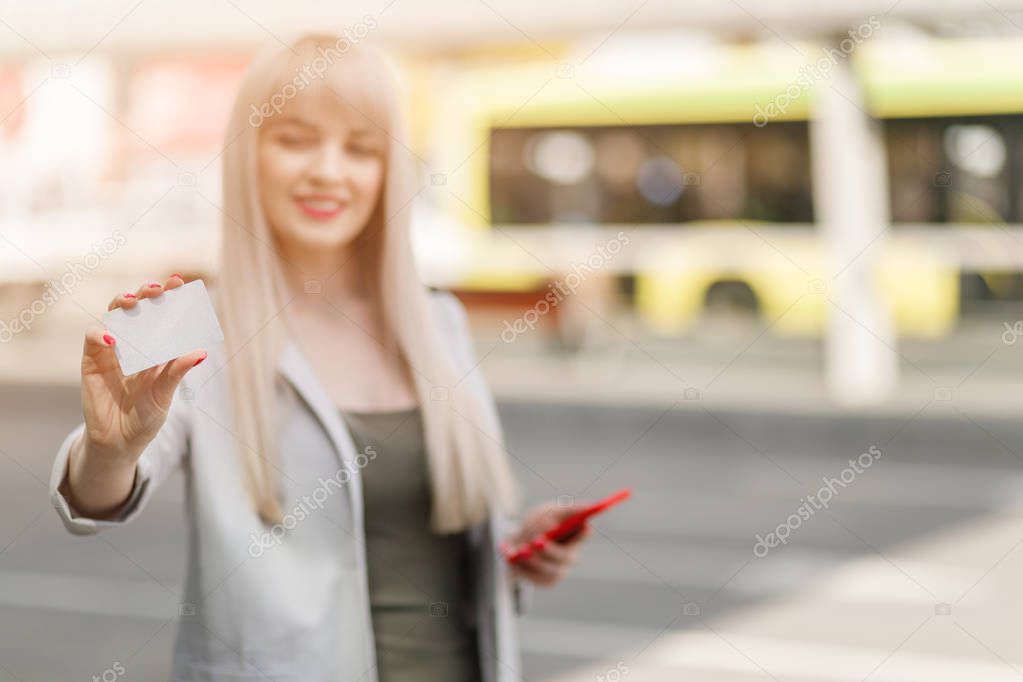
pixel 294 140
pixel 362 149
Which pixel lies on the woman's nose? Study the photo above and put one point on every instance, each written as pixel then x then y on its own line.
pixel 330 165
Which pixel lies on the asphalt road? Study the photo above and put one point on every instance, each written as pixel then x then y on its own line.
pixel 678 559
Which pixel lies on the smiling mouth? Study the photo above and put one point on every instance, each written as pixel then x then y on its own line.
pixel 321 208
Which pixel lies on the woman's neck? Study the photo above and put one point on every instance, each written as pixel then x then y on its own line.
pixel 317 275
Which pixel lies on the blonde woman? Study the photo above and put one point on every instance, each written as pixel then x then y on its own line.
pixel 347 486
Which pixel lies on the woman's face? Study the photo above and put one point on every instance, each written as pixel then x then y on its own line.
pixel 321 170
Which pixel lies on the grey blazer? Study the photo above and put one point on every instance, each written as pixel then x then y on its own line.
pixel 290 604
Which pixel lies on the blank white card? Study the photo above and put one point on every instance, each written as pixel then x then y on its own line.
pixel 159 329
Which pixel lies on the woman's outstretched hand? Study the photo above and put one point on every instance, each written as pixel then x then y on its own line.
pixel 547 566
pixel 123 414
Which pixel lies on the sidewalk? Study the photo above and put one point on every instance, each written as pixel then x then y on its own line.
pixel 939 609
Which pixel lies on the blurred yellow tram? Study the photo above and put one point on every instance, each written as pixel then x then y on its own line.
pixel 674 147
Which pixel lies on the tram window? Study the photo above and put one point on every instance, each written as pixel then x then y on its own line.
pixel 650 174
pixel 953 170
pixel 977 158
pixel 915 170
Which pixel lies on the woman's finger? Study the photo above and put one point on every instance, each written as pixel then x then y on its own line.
pixel 173 372
pixel 557 552
pixel 536 524
pixel 148 375
pixel 543 567
pixel 534 576
pixel 523 571
pixel 173 282
pixel 583 532
pixel 98 353
pixel 528 569
pixel 125 300
pixel 99 343
pixel 150 290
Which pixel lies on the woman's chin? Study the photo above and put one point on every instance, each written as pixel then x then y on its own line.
pixel 322 235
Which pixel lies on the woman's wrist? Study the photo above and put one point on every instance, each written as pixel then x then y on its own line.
pixel 98 481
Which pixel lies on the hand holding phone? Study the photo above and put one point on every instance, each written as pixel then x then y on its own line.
pixel 564 530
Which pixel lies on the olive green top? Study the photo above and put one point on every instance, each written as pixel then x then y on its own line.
pixel 419 581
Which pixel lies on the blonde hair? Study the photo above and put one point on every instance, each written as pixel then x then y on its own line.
pixel 467 463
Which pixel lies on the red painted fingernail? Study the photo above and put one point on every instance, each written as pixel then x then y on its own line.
pixel 154 285
pixel 178 276
pixel 109 340
pixel 130 295
pixel 204 355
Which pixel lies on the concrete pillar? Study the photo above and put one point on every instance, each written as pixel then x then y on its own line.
pixel 851 207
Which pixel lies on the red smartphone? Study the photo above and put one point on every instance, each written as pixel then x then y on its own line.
pixel 564 530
